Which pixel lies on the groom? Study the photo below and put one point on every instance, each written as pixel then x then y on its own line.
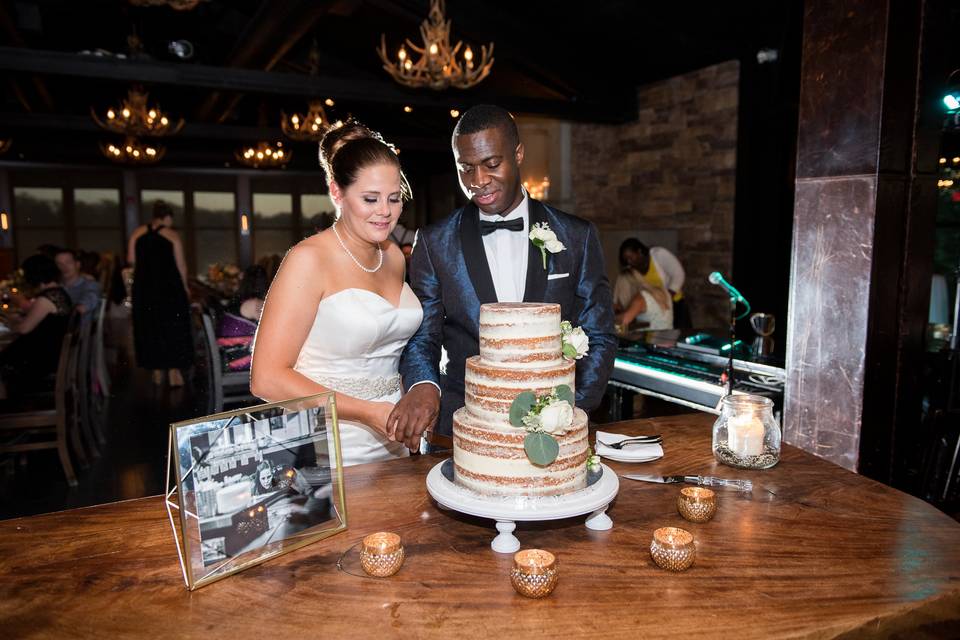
pixel 482 253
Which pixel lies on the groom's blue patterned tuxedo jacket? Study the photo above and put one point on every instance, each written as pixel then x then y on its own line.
pixel 450 275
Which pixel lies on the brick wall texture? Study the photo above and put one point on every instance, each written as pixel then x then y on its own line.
pixel 672 168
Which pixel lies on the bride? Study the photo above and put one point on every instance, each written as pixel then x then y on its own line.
pixel 338 313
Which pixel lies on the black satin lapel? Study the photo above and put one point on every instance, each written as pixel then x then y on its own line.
pixel 536 287
pixel 475 256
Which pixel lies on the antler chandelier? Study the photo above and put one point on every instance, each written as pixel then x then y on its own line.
pixel 136 118
pixel 437 66
pixel 132 151
pixel 264 155
pixel 310 126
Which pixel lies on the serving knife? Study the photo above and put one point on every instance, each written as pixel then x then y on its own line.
pixel 707 481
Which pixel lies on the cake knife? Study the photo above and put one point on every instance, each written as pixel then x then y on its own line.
pixel 707 481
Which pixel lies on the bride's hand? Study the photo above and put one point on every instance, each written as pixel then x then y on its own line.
pixel 378 417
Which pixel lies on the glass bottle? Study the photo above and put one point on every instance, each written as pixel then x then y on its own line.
pixel 746 435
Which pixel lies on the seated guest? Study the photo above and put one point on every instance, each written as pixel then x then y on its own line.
pixel 651 307
pixel 237 327
pixel 33 356
pixel 658 269
pixel 84 291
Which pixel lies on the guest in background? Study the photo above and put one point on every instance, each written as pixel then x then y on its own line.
pixel 655 267
pixel 237 327
pixel 84 291
pixel 270 263
pixel 32 357
pixel 160 298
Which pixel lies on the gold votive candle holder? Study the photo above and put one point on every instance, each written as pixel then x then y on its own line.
pixel 673 549
pixel 534 573
pixel 382 554
pixel 697 504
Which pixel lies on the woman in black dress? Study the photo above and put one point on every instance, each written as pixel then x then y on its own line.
pixel 30 361
pixel 161 305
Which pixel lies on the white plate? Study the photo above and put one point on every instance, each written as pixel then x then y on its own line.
pixel 619 457
pixel 633 453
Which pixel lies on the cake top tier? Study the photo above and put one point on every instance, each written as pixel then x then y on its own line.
pixel 519 319
pixel 520 334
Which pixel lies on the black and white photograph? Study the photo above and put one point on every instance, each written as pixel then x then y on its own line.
pixel 256 481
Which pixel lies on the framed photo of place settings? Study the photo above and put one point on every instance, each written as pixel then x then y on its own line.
pixel 249 485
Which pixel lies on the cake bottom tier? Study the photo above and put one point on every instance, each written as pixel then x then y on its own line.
pixel 490 459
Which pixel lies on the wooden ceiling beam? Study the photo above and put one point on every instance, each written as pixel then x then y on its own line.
pixel 346 90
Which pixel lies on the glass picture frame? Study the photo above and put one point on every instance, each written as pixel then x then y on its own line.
pixel 249 485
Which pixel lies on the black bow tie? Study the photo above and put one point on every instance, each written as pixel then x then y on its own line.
pixel 510 225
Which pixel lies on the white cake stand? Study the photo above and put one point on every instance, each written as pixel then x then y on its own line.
pixel 508 511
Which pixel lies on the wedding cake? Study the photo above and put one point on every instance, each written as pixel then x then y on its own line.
pixel 519 403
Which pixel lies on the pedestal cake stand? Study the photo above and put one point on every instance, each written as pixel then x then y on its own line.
pixel 592 500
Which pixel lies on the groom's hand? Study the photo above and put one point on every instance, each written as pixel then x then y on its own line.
pixel 415 413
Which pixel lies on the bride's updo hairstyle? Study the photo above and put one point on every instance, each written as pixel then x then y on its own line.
pixel 349 147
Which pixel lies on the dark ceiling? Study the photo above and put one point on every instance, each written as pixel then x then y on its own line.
pixel 574 60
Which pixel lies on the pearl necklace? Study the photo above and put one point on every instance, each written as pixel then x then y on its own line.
pixel 353 257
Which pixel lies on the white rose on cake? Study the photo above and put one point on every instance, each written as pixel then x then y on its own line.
pixel 556 417
pixel 575 342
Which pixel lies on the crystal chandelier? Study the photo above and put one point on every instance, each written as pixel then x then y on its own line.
pixel 264 155
pixel 437 66
pixel 134 117
pixel 311 125
pixel 133 151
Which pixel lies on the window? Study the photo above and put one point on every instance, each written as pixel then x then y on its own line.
pixel 99 225
pixel 38 218
pixel 272 224
pixel 318 212
pixel 214 223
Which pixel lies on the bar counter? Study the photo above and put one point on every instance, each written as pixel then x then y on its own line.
pixel 814 552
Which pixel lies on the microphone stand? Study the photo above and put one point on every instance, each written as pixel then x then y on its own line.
pixel 733 342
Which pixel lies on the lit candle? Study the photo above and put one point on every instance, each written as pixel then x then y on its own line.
pixel 697 504
pixel 673 548
pixel 745 435
pixel 534 573
pixel 382 554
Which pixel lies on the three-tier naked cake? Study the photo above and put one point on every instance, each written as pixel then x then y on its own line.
pixel 520 350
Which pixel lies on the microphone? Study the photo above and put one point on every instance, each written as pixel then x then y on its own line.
pixel 717 278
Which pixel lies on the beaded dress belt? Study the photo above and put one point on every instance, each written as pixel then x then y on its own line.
pixel 363 388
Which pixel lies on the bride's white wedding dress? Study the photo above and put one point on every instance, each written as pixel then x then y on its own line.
pixel 354 347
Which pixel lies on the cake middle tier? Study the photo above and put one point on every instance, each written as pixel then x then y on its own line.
pixel 489 390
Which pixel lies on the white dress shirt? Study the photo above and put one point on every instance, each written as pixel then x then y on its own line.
pixel 507 253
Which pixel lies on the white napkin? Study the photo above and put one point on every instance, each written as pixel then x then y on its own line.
pixel 630 453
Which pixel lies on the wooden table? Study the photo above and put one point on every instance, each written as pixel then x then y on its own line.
pixel 815 552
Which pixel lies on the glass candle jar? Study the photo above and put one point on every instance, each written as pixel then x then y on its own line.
pixel 534 573
pixel 382 554
pixel 746 435
pixel 673 549
pixel 697 504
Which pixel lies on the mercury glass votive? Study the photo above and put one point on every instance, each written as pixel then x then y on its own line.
pixel 534 573
pixel 382 554
pixel 697 504
pixel 673 549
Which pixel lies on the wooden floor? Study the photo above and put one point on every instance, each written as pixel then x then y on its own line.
pixel 134 458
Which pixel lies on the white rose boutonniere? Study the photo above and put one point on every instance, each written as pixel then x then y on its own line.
pixel 543 237
pixel 575 342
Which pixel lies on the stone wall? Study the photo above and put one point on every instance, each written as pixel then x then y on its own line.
pixel 671 170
